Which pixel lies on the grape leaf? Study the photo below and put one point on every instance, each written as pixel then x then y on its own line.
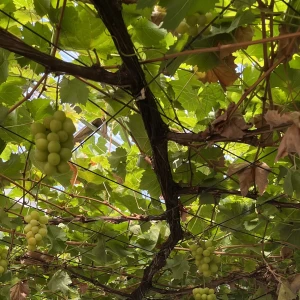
pixel 73 91
pixel 59 282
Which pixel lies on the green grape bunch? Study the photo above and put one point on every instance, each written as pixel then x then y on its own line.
pixel 194 24
pixel 35 230
pixel 205 294
pixel 54 142
pixel 205 258
pixel 3 260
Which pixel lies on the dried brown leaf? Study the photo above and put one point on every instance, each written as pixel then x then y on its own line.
pixel 249 175
pixel 19 291
pixel 295 283
pixel 233 127
pixel 225 72
pixel 274 118
pixel 290 143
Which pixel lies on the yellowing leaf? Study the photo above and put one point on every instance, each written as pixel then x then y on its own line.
pixel 19 291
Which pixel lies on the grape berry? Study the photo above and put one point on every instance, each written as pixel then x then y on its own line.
pixel 194 24
pixel 3 260
pixel 35 229
pixel 205 259
pixel 206 293
pixel 54 142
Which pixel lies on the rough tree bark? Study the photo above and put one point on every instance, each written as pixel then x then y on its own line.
pixel 110 12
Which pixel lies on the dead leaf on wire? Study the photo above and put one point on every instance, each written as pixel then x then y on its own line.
pixel 19 291
pixel 233 127
pixel 250 174
pixel 285 292
pixel 290 142
pixel 274 118
pixel 295 283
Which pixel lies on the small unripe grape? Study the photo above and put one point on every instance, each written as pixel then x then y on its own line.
pixel 31 247
pixel 4 253
pixel 198 256
pixel 193 31
pixel 54 146
pixel 199 250
pixel 204 297
pixel 193 247
pixel 43 226
pixel 55 125
pixel 206 253
pixel 2 270
pixel 209 17
pixel 211 291
pixel 68 126
pixel 34 222
pixel 35 215
pixel 217 259
pixel 43 232
pixel 59 115
pixel 197 263
pixel 41 156
pixel 38 237
pixel 43 220
pixel 191 20
pixel 195 291
pixel 205 267
pixel 40 135
pixel 29 234
pixel 206 259
pixel 214 268
pixel 206 290
pixel 182 28
pixel 211 249
pixel 47 121
pixel 202 20
pixel 54 159
pixel 35 229
pixel 63 136
pixel 49 169
pixel 208 243
pixel 27 218
pixel 69 143
pixel 206 273
pixel 194 253
pixel 52 136
pixel 211 297
pixel 36 128
pixel 63 167
pixel 200 268
pixel 3 263
pixel 198 297
pixel 201 291
pixel 27 228
pixel 41 144
pixel 31 241
pixel 65 154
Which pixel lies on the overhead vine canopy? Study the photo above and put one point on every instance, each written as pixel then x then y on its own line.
pixel 184 172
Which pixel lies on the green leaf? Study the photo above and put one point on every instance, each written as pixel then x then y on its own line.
pixel 148 34
pixel 59 282
pixel 179 265
pixel 150 184
pixel 39 108
pixel 137 129
pixel 295 178
pixel 206 198
pixel 117 162
pixel 42 7
pixel 57 238
pixel 73 91
pixel 13 167
pixel 288 185
pixel 99 251
pixel 145 3
pixel 10 92
pixel 3 65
